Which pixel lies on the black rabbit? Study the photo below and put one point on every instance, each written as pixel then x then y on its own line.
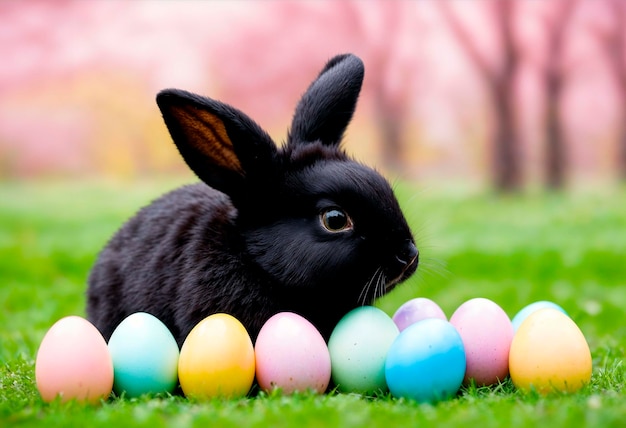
pixel 299 228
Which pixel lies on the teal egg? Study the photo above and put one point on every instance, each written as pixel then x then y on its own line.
pixel 145 356
pixel 519 318
pixel 358 347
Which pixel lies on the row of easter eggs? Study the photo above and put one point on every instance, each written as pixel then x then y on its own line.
pixel 216 359
pixel 416 354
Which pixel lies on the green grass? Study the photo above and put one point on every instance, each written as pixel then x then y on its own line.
pixel 569 248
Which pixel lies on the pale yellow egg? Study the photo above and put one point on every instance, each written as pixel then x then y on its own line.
pixel 549 353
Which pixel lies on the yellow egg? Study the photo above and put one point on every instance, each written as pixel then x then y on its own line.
pixel 217 359
pixel 549 353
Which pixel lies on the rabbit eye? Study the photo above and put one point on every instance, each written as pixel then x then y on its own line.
pixel 336 220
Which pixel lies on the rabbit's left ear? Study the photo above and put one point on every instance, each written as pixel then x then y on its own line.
pixel 326 108
pixel 222 145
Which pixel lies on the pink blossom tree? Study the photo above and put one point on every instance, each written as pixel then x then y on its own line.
pixel 268 65
pixel 498 71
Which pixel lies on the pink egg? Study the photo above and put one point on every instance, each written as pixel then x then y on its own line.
pixel 73 362
pixel 416 310
pixel 291 355
pixel 487 333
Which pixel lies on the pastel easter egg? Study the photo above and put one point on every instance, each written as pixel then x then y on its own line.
pixel 487 333
pixel 292 355
pixel 416 310
pixel 73 363
pixel 549 353
pixel 426 362
pixel 145 356
pixel 217 359
pixel 358 347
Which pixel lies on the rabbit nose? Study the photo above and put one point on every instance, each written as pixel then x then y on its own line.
pixel 409 254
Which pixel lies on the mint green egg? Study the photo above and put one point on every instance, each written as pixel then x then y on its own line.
pixel 358 348
pixel 145 356
pixel 526 311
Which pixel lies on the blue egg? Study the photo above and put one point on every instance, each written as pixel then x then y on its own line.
pixel 145 356
pixel 426 362
pixel 519 318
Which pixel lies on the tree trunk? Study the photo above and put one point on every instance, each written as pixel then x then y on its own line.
pixel 499 80
pixel 390 128
pixel 555 150
pixel 507 162
pixel 555 153
pixel 507 176
pixel 555 163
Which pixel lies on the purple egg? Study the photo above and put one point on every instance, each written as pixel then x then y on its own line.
pixel 416 310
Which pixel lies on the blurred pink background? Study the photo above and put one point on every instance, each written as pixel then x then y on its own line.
pixel 78 81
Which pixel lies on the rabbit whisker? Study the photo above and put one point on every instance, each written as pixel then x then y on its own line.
pixel 365 290
pixel 377 281
pixel 381 286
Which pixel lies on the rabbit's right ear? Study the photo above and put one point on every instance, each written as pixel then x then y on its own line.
pixel 222 145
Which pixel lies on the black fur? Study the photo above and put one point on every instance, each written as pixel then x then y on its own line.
pixel 249 241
